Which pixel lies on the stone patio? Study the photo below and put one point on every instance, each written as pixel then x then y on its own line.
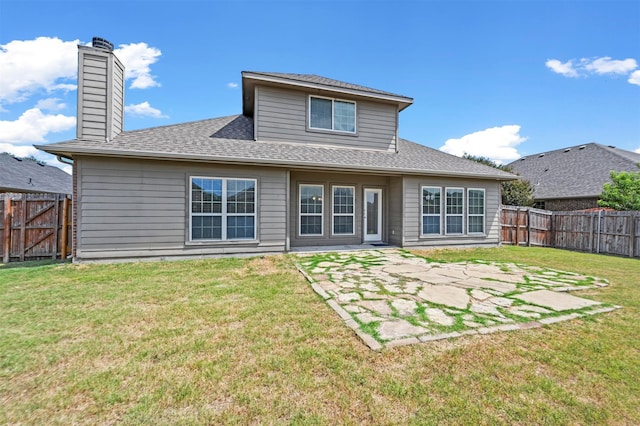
pixel 391 297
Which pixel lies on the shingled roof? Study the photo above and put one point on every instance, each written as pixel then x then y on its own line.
pixel 26 175
pixel 574 172
pixel 230 140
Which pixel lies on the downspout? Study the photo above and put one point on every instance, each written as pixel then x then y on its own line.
pixel 397 126
pixel 287 221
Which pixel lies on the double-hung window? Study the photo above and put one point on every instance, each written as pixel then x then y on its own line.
pixel 332 114
pixel 475 211
pixel 222 209
pixel 431 210
pixel 311 202
pixel 454 210
pixel 343 210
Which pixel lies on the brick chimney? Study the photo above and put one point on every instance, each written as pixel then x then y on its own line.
pixel 100 92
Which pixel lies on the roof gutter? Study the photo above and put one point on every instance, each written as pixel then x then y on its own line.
pixel 275 163
pixel 64 159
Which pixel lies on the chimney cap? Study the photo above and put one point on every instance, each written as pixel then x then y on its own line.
pixel 102 43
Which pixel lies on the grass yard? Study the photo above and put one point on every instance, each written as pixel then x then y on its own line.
pixel 248 341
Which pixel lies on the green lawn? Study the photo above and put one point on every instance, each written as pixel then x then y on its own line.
pixel 248 341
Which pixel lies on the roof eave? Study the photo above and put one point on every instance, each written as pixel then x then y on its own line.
pixel 268 162
pixel 571 197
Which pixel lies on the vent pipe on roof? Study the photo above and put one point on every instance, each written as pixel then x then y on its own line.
pixel 582 147
pixel 567 150
pixel 102 43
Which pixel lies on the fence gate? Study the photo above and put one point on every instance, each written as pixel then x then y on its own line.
pixel 35 226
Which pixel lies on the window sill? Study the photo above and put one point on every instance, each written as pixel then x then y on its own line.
pixel 332 132
pixel 443 236
pixel 214 243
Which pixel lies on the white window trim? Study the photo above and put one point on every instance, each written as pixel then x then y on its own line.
pixel 300 214
pixel 484 211
pixel 223 214
pixel 334 214
pixel 422 214
pixel 447 215
pixel 332 129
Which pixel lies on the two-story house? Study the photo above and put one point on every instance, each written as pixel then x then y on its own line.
pixel 310 162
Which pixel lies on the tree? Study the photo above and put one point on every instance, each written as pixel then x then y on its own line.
pixel 623 193
pixel 515 192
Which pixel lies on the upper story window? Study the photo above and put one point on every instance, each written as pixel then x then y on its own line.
pixel 332 114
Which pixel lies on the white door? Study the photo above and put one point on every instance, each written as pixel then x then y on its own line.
pixel 372 214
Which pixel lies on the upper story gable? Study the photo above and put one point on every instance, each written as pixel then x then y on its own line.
pixel 303 108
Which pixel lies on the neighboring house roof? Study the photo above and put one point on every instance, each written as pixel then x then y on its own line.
pixel 575 172
pixel 316 82
pixel 26 175
pixel 230 140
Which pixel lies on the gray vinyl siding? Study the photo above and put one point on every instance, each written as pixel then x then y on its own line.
pixel 117 107
pixel 281 115
pixel 395 210
pixel 100 95
pixel 412 212
pixel 327 180
pixel 136 208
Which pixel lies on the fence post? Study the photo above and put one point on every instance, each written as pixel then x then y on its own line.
pixel 632 235
pixel 65 227
pixel 598 233
pixel 592 219
pixel 23 226
pixel 7 229
pixel 552 230
pixel 517 242
pixel 56 229
pixel 528 227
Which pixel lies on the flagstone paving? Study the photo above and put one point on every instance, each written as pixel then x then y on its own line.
pixel 391 297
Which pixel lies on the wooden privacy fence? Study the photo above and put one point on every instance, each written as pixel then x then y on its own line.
pixel 594 231
pixel 35 226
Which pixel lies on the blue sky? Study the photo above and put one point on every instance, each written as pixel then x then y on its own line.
pixel 492 78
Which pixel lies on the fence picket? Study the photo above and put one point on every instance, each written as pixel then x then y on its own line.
pixel 605 232
pixel 31 228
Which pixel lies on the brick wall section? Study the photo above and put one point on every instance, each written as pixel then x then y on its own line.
pixel 571 204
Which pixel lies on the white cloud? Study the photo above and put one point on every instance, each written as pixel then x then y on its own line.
pixel 606 65
pixel 50 104
pixel 28 66
pixel 638 150
pixel 50 64
pixel 599 66
pixel 565 69
pixel 144 110
pixel 19 150
pixel 496 143
pixel 137 58
pixel 232 85
pixel 33 126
